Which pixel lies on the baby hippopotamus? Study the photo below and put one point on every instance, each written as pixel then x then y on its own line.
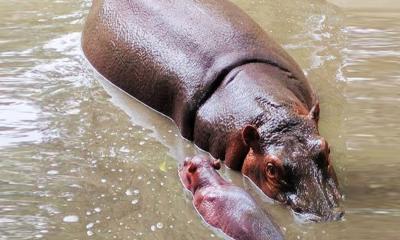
pixel 223 205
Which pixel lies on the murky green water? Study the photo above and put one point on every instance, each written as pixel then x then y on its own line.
pixel 81 160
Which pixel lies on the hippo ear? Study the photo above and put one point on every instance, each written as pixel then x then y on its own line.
pixel 250 136
pixel 216 164
pixel 314 113
pixel 192 168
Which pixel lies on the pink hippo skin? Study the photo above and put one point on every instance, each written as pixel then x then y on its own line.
pixel 223 205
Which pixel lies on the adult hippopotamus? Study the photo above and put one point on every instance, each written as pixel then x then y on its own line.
pixel 227 85
pixel 223 205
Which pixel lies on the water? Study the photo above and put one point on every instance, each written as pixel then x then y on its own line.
pixel 81 160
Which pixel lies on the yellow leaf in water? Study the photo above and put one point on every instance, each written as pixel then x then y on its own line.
pixel 163 166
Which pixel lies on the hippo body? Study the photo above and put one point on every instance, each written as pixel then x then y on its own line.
pixel 172 61
pixel 225 206
pixel 227 85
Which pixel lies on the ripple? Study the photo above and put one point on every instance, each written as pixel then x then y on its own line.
pixel 52 172
pixel 7 220
pixel 71 219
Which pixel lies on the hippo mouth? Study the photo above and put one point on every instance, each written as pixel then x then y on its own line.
pixel 336 215
pixel 306 217
pixel 321 214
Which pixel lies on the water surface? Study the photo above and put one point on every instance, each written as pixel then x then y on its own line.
pixel 81 160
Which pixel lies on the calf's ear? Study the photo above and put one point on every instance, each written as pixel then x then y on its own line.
pixel 251 137
pixel 216 164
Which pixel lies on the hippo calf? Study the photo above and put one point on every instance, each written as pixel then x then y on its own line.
pixel 227 85
pixel 223 205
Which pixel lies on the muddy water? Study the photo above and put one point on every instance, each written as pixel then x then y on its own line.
pixel 81 160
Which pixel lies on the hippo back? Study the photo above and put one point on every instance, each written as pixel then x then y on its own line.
pixel 172 55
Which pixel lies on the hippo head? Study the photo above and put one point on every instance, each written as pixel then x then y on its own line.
pixel 293 166
pixel 198 171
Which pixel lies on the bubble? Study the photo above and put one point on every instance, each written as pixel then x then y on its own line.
pixel 128 192
pixel 90 225
pixel 52 172
pixel 103 180
pixel 141 143
pixel 135 201
pixel 97 209
pixel 159 225
pixel 71 219
pixel 124 150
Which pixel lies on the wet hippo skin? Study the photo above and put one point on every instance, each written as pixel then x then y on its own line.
pixel 227 85
pixel 224 205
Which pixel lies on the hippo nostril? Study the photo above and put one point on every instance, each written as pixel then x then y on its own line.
pixel 338 214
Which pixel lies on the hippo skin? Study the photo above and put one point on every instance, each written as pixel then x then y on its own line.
pixel 227 85
pixel 223 205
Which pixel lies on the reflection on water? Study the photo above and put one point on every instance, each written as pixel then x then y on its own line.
pixel 371 129
pixel 79 159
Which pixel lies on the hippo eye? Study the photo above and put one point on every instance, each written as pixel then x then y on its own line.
pixel 271 170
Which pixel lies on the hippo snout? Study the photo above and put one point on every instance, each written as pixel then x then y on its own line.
pixel 302 212
pixel 336 215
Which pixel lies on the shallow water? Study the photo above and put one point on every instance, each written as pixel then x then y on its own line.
pixel 81 160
